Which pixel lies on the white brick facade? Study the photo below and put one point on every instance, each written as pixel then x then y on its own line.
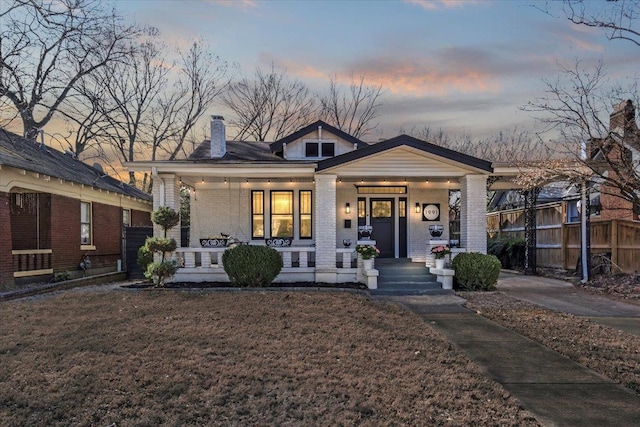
pixel 325 228
pixel 473 208
pixel 170 197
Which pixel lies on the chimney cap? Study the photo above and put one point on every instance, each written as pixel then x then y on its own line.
pixel 214 117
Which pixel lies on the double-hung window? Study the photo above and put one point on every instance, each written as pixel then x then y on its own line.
pixel 282 214
pixel 257 214
pixel 306 223
pixel 85 223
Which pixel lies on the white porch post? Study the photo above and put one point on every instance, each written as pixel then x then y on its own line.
pixel 325 228
pixel 166 192
pixel 473 213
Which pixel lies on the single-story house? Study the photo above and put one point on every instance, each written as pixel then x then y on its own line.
pixel 316 194
pixel 56 210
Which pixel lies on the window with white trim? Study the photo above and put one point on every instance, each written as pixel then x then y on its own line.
pixel 85 223
pixel 126 217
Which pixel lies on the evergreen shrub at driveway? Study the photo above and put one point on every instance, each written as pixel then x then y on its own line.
pixel 510 252
pixel 251 266
pixel 476 271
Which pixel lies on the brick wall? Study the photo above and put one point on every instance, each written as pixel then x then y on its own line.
pixel 107 230
pixel 65 233
pixel 6 259
pixel 473 211
pixel 140 218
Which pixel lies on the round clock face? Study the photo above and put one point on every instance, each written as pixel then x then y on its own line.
pixel 431 212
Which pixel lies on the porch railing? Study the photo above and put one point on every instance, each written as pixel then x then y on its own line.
pixel 31 262
pixel 298 263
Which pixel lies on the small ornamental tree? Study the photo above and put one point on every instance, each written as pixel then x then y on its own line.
pixel 160 271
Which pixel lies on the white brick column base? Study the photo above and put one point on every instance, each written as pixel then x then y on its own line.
pixel 325 228
pixel 473 213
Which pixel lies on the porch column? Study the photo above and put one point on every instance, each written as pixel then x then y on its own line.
pixel 473 213
pixel 325 228
pixel 166 192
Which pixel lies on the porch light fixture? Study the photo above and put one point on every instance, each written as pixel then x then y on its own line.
pixel 417 207
pixel 347 208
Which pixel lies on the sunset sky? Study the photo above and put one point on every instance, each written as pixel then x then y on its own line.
pixel 464 66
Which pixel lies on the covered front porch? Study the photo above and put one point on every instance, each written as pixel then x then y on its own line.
pixel 405 192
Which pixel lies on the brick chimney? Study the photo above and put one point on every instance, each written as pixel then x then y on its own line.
pixel 623 118
pixel 218 137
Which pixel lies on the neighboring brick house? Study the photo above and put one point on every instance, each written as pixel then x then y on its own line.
pixel 54 209
pixel 605 202
pixel 315 191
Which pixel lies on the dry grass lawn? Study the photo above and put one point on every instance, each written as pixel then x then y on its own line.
pixel 149 358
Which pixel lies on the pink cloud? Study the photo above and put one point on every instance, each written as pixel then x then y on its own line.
pixel 409 79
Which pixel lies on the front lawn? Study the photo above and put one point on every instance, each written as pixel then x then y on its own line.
pixel 149 358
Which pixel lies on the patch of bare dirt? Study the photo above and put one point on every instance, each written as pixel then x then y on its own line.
pixel 274 358
pixel 608 351
pixel 623 286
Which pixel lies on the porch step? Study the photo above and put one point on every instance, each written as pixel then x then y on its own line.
pixel 402 277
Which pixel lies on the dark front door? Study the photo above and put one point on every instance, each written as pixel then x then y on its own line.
pixel 382 214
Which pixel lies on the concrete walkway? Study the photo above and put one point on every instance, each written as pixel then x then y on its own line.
pixel 557 390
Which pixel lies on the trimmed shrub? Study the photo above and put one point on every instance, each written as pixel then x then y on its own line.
pixel 161 271
pixel 166 218
pixel 510 252
pixel 251 266
pixel 476 271
pixel 145 257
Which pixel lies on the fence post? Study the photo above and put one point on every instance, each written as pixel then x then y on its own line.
pixel 614 241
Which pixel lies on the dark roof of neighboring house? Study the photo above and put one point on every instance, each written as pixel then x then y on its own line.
pixel 409 141
pixel 237 151
pixel 552 192
pixel 277 145
pixel 21 153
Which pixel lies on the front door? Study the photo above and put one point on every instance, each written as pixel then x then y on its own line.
pixel 382 221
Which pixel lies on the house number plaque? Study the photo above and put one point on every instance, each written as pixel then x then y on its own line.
pixel 431 212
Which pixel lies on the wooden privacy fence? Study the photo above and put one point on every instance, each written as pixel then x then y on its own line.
pixel 558 243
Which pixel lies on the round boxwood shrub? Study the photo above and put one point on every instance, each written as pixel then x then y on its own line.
pixel 252 266
pixel 476 271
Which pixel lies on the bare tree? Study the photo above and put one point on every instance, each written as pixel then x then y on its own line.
pixel 202 77
pixel 515 146
pixel 48 46
pixel 132 88
pixel 269 105
pixel 352 109
pixel 598 147
pixel 616 17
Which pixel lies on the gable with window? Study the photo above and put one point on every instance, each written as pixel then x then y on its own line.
pixel 319 149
